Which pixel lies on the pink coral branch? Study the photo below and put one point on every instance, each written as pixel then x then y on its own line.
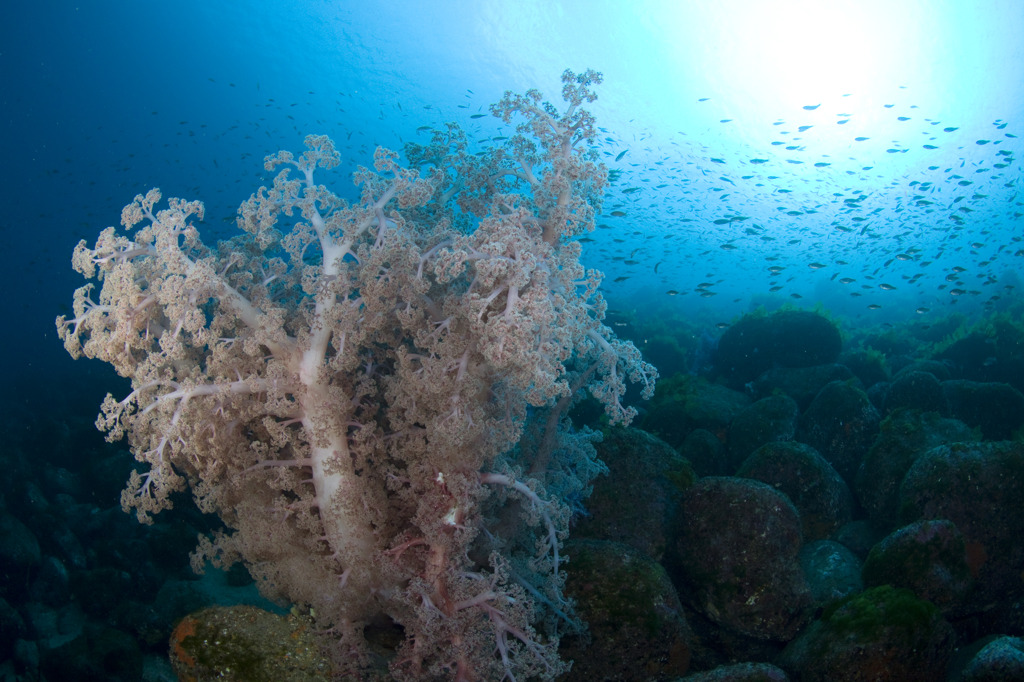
pixel 539 504
pixel 379 361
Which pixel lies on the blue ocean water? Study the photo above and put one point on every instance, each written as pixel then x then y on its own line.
pixel 860 159
pixel 750 142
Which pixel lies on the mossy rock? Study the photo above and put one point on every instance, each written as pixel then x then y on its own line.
pixel 247 644
pixel 636 627
pixel 884 633
pixel 787 338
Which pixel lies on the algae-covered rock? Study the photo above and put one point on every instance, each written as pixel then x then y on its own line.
pixel 926 557
pixel 768 420
pixel 787 338
pixel 883 633
pixel 740 672
pixel 815 488
pixel 841 424
pixel 1000 660
pixel 636 627
pixel 996 408
pixel 976 486
pixel 916 390
pixel 637 502
pixel 738 549
pixel 832 570
pixel 684 403
pixel 903 437
pixel 246 644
